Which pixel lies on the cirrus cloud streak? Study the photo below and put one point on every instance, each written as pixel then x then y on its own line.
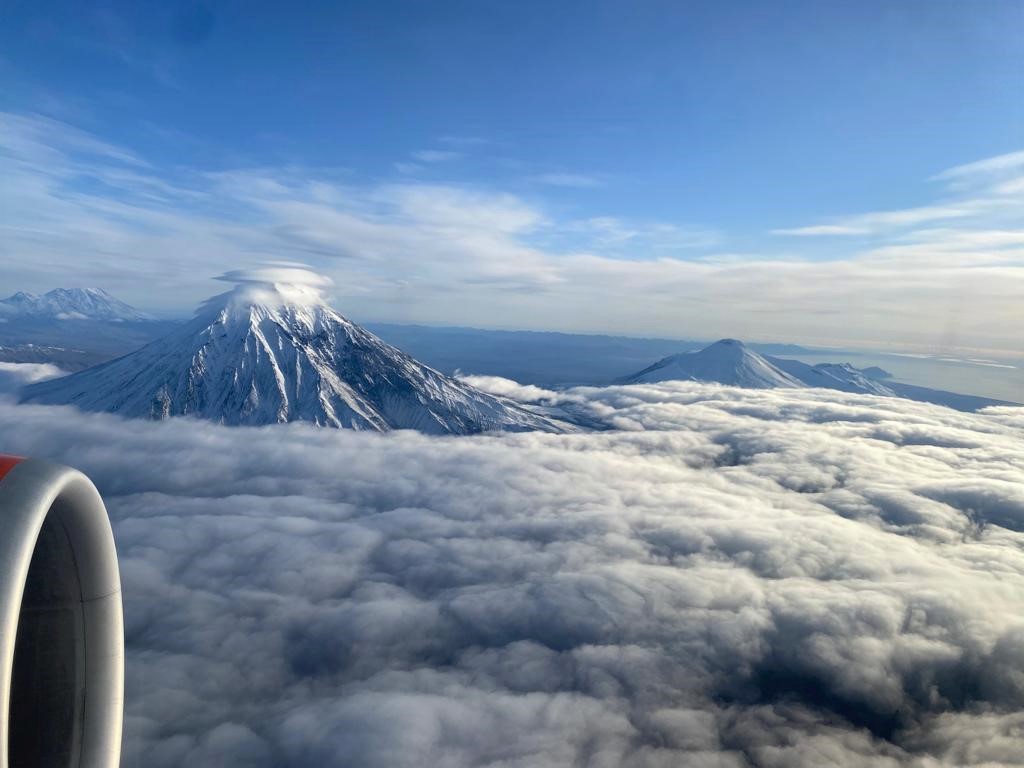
pixel 404 250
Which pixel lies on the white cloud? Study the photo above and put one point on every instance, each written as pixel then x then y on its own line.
pixel 13 376
pixel 912 216
pixel 524 393
pixel 985 195
pixel 1012 186
pixel 36 137
pixel 822 229
pixel 998 164
pixel 738 578
pixel 610 234
pixel 877 221
pixel 464 255
pixel 274 282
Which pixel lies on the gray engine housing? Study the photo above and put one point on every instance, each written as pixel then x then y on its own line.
pixel 61 622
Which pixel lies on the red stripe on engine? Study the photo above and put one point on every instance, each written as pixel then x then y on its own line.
pixel 7 463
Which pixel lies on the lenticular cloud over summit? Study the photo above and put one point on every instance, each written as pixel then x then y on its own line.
pixel 275 283
pixel 727 578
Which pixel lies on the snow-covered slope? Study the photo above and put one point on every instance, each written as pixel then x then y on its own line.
pixel 727 362
pixel 69 304
pixel 842 376
pixel 271 351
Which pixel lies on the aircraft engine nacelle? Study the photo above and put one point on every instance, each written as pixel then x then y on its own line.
pixel 61 626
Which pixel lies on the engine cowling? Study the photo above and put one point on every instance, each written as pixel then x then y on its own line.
pixel 61 622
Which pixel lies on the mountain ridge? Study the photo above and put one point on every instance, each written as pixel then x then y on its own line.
pixel 70 304
pixel 272 352
pixel 733 363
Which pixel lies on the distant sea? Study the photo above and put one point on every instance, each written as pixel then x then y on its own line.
pixel 985 377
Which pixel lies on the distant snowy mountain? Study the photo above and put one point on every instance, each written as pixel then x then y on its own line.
pixel 727 362
pixel 732 362
pixel 842 376
pixel 69 304
pixel 271 351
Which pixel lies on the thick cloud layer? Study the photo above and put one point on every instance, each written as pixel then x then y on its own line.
pixel 727 578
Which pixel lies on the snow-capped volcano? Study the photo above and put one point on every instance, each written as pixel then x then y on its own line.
pixel 727 362
pixel 70 304
pixel 731 362
pixel 272 351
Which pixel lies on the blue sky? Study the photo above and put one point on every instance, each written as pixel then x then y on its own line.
pixel 771 170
